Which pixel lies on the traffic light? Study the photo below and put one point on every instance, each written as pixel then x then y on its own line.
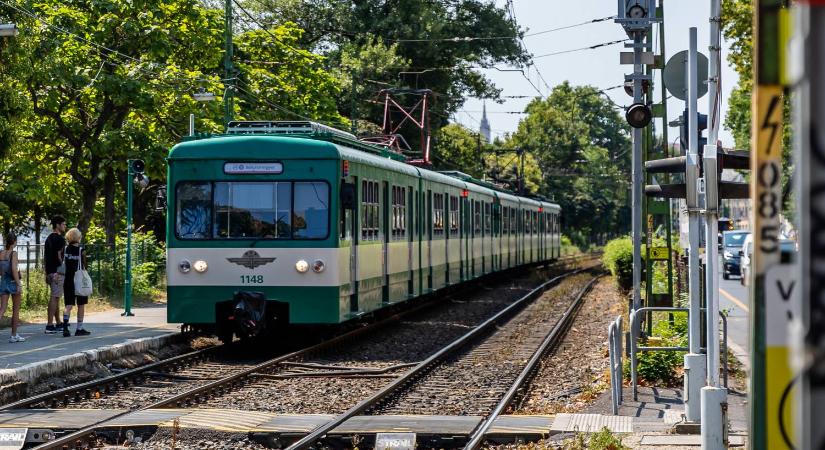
pixel 726 159
pixel 638 115
pixel 635 9
pixel 684 134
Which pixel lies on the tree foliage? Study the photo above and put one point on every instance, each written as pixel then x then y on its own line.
pixel 419 32
pixel 737 27
pixel 582 148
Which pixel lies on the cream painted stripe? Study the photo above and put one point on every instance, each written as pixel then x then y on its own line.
pixel 735 300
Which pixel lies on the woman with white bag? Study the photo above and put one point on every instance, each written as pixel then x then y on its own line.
pixel 77 285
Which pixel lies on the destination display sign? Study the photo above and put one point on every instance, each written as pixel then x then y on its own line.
pixel 253 168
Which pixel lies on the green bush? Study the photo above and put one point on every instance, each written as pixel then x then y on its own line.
pixel 107 263
pixel 618 259
pixel 567 246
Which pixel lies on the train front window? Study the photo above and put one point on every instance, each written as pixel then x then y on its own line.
pixel 252 210
pixel 193 202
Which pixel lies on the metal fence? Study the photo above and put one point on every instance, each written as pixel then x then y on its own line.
pixel 106 265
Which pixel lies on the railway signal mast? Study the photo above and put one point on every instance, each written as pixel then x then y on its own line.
pixel 637 18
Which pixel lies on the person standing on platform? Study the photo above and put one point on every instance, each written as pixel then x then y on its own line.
pixel 10 285
pixel 74 258
pixel 55 272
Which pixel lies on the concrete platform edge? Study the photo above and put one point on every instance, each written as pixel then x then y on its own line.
pixel 31 373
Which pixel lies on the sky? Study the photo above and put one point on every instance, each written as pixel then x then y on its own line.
pixel 598 67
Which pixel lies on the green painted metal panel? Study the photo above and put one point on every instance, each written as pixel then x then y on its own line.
pixel 307 304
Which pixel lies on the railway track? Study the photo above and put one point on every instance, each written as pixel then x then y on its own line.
pixel 408 392
pixel 210 384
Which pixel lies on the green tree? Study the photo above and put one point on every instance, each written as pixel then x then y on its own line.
pixel 737 27
pixel 582 147
pixel 278 80
pixel 110 88
pixel 420 32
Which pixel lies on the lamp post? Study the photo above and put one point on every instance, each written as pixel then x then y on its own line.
pixel 135 175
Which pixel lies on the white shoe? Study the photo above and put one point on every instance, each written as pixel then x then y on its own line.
pixel 17 338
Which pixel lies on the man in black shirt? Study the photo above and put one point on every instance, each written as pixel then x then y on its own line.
pixel 53 257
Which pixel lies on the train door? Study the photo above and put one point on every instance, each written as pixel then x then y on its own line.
pixel 385 241
pixel 410 232
pixel 445 205
pixel 429 225
pixel 352 221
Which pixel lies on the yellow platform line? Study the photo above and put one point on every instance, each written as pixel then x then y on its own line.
pixel 735 300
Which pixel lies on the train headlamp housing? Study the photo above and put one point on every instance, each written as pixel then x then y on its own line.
pixel 318 266
pixel 185 266
pixel 200 266
pixel 301 266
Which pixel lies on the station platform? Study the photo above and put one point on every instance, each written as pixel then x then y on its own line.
pixel 113 336
pixel 656 412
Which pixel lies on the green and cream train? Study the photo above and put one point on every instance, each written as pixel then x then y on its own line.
pixel 278 223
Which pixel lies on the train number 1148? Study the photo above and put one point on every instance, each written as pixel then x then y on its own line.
pixel 252 279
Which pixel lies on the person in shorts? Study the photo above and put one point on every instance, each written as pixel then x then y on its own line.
pixel 73 256
pixel 10 285
pixel 53 259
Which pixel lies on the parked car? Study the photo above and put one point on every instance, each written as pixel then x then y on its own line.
pixel 745 254
pixel 732 242
pixel 787 249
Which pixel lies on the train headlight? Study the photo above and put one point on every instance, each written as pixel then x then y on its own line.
pixel 200 266
pixel 302 266
pixel 185 266
pixel 318 266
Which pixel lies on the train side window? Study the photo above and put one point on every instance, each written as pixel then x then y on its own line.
pixel 193 206
pixel 513 223
pixel 399 212
pixel 528 228
pixel 487 219
pixel 477 218
pixel 454 216
pixel 438 214
pixel 505 223
pixel 369 209
pixel 310 217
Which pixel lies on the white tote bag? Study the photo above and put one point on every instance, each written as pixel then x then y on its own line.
pixel 82 280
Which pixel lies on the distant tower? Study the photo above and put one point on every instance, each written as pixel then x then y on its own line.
pixel 484 129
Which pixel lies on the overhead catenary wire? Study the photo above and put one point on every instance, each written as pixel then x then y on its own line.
pixel 591 47
pixel 500 38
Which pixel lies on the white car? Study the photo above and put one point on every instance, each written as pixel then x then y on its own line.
pixel 745 260
pixel 787 249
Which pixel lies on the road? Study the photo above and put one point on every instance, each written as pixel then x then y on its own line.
pixel 734 298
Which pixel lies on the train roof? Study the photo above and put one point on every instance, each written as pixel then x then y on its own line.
pixel 313 141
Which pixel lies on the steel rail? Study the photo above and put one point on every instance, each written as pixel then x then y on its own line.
pixel 550 341
pixel 426 365
pixel 183 398
pixel 125 377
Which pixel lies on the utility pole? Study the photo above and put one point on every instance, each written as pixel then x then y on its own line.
pixel 636 173
pixel 808 310
pixel 714 397
pixel 695 364
pixel 229 71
